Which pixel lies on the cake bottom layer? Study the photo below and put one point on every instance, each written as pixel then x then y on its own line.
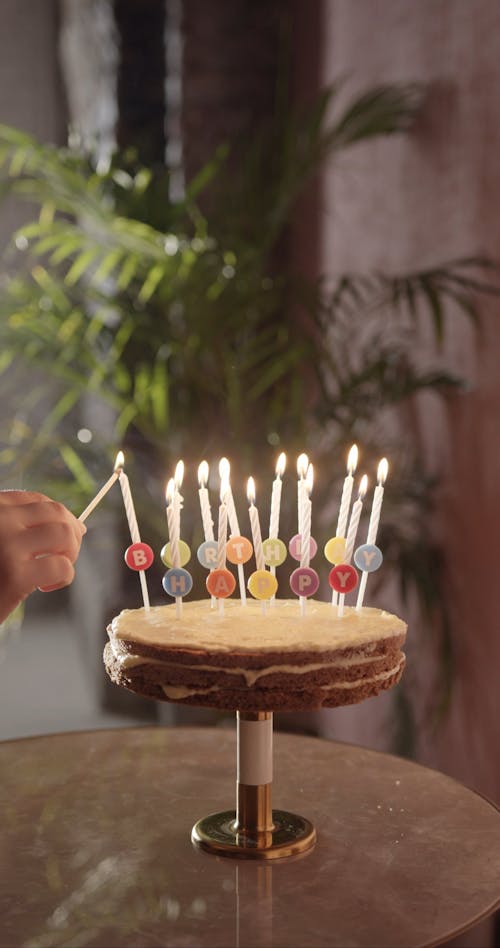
pixel 305 689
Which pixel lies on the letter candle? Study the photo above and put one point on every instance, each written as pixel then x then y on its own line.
pixel 345 500
pixel 120 460
pixel 177 504
pixel 222 533
pixel 173 535
pixel 305 528
pixel 302 465
pixel 134 529
pixel 258 582
pixel 274 517
pixel 224 471
pixel 206 513
pixel 378 496
pixel 357 507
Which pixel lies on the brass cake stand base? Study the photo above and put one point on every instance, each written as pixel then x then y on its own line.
pixel 218 834
pixel 254 830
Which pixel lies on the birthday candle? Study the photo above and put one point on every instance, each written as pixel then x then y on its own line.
pixel 206 514
pixel 351 534
pixel 352 461
pixel 255 525
pixel 378 496
pixel 177 505
pixel 222 528
pixel 120 460
pixel 305 527
pixel 302 464
pixel 276 497
pixel 224 471
pixel 134 529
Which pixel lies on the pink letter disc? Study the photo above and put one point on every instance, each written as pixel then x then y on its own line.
pixel 304 581
pixel 343 578
pixel 139 556
pixel 294 547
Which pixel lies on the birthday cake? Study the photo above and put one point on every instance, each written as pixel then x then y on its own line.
pixel 245 660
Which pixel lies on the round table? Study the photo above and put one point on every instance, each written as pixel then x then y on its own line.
pixel 95 834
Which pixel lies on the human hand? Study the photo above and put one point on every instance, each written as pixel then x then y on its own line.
pixel 39 542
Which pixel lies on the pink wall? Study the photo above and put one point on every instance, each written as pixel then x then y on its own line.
pixel 401 204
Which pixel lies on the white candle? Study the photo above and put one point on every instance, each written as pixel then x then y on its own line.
pixel 104 489
pixel 378 496
pixel 173 536
pixel 357 507
pixel 302 465
pixel 134 529
pixel 352 461
pixel 224 471
pixel 222 529
pixel 276 497
pixel 305 527
pixel 206 513
pixel 177 505
pixel 255 525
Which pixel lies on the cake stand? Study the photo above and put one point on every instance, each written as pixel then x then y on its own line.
pixel 254 830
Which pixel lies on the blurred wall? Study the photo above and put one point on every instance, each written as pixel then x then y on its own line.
pixel 31 96
pixel 406 203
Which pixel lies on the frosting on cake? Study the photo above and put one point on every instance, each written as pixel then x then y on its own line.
pixel 245 628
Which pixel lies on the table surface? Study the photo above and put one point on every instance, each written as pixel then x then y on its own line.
pixel 95 832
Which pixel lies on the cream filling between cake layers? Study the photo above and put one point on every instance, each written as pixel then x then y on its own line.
pixel 178 692
pixel 125 659
pixel 245 628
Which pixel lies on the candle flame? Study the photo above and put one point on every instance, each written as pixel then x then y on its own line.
pixel 120 461
pixel 170 491
pixel 309 479
pixel 251 490
pixel 352 460
pixel 281 464
pixel 382 471
pixel 179 475
pixel 363 487
pixel 203 474
pixel 224 469
pixel 302 462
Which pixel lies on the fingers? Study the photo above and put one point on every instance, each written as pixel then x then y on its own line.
pixel 48 573
pixel 13 497
pixel 48 538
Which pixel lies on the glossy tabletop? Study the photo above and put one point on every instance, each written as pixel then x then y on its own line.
pixel 95 841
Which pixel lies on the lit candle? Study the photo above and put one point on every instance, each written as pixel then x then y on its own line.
pixel 104 489
pixel 357 507
pixel 222 533
pixel 173 536
pixel 305 529
pixel 255 525
pixel 352 461
pixel 206 513
pixel 177 505
pixel 133 527
pixel 224 472
pixel 274 518
pixel 302 465
pixel 378 496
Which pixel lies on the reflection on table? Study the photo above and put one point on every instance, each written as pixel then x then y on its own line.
pixel 96 834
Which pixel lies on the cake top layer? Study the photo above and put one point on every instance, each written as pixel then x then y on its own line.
pixel 246 629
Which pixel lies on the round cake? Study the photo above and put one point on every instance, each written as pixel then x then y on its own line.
pixel 243 659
